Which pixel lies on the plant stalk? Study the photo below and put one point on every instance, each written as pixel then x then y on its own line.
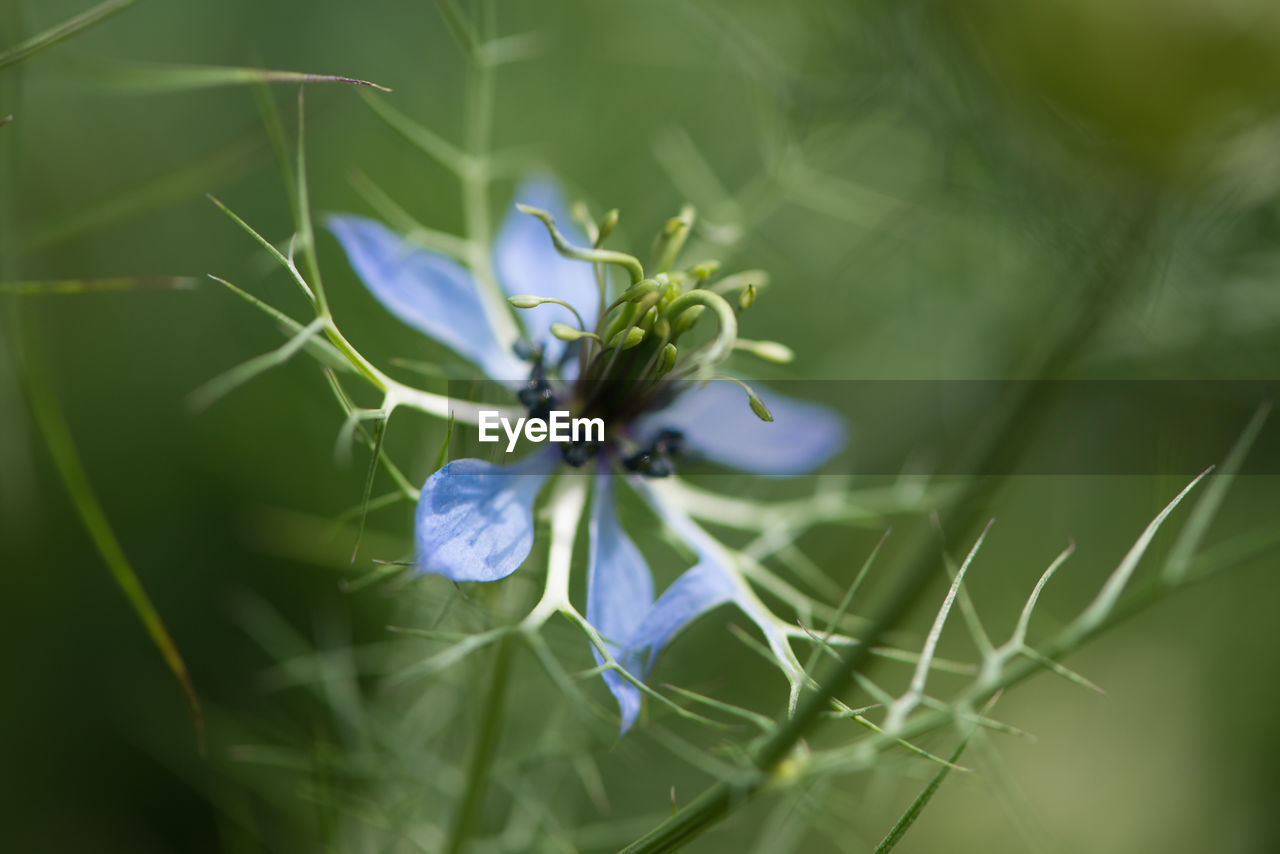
pixel 483 750
pixel 1100 290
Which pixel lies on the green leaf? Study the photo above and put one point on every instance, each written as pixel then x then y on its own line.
pixel 1204 511
pixel 60 32
pixel 57 436
pixel 146 78
pixel 443 456
pixel 755 718
pixel 216 167
pixel 428 141
pixel 86 286
pixel 302 210
pixel 460 27
pixel 275 253
pixel 407 489
pixel 379 433
pixel 403 222
pixel 227 382
pixel 1119 578
pixel 895 834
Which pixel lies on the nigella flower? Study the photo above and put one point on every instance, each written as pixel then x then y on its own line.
pixel 621 360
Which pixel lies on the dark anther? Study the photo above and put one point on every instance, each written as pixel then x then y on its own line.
pixel 657 460
pixel 536 395
pixel 649 464
pixel 669 442
pixel 577 454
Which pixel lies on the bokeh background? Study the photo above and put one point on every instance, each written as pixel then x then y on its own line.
pixel 930 184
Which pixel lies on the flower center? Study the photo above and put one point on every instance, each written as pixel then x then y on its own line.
pixel 637 357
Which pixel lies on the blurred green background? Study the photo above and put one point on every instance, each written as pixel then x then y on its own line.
pixel 930 184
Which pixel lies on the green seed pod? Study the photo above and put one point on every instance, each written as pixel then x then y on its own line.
pixel 662 328
pixel 620 321
pixel 650 317
pixel 757 406
pixel 565 332
pixel 770 351
pixel 667 360
pixel 688 319
pixel 670 290
pixel 634 336
pixel 607 226
pixel 705 270
pixel 627 340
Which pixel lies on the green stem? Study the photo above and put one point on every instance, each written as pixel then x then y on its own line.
pixel 306 233
pixel 475 176
pixel 1102 287
pixel 1232 555
pixel 635 270
pixel 482 752
pixel 903 824
pixel 11 20
pixel 61 32
pixel 722 345
pixel 14 459
pixel 57 436
pixel 377 378
pixel 31 365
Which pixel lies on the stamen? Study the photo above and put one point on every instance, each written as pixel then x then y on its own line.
pixel 662 332
pixel 531 301
pixel 636 310
pixel 757 405
pixel 689 319
pixel 578 454
pixel 720 347
pixel 668 359
pixel 672 238
pixel 657 460
pixel 626 340
pixel 770 351
pixel 565 332
pixel 598 256
pixel 738 281
pixel 536 395
pixel 705 270
pixel 607 226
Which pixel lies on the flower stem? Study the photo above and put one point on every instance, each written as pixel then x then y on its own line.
pixel 53 426
pixel 1110 278
pixel 478 98
pixel 566 508
pixel 483 750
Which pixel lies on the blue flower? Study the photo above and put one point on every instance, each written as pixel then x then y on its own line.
pixel 474 519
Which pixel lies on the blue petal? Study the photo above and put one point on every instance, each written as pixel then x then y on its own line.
pixel 690 596
pixel 430 292
pixel 619 592
pixel 639 630
pixel 710 583
pixel 475 519
pixel 718 424
pixel 619 584
pixel 694 593
pixel 569 365
pixel 527 263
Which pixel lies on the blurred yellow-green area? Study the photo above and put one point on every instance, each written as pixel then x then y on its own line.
pixel 938 190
